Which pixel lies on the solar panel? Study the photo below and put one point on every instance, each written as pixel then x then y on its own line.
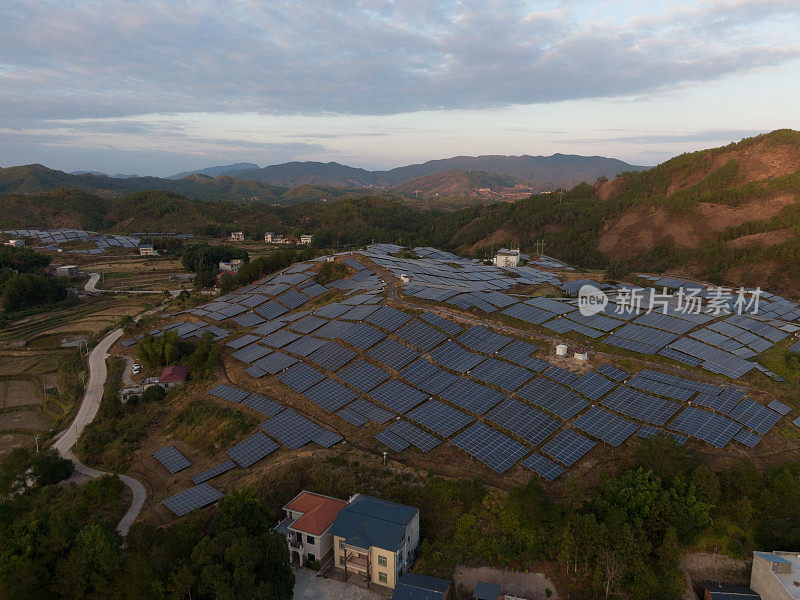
pixel 748 438
pixel 330 395
pixel 362 336
pixel 641 406
pixel 393 354
pixel 333 310
pixel 307 324
pixel 454 357
pixel 606 426
pixel 779 407
pixel 419 370
pixel 704 425
pixel 543 466
pixel 274 363
pixel 665 322
pixel 471 396
pixel 568 447
pixel 662 389
pixel 172 459
pixel 398 396
pixel 353 417
pixel 242 341
pixel 411 433
pixel 292 299
pixel 553 397
pixel 280 338
pixel 268 327
pixel 633 346
pixel 560 375
pixel 529 314
pixel 421 336
pixel 492 448
pixel 592 385
pixel 252 449
pixel 529 423
pixel 332 356
pixel 501 374
pixel 439 417
pixel 262 404
pixel 369 410
pixel 213 472
pixel 392 441
pixel 301 376
pixel 304 346
pixel 363 375
pixel 248 320
pixel 718 403
pixel 649 432
pixel 389 318
pixel 195 497
pixel 271 310
pixel 483 340
pixel 520 352
pixel 358 313
pixel 756 416
pixel 251 353
pixel 227 392
pixel 294 430
pixel 447 326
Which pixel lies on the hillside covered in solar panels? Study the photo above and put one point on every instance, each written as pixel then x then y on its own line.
pixel 449 364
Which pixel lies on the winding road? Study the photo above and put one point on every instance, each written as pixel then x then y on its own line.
pixel 86 414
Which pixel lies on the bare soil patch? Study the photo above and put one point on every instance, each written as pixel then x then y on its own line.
pixel 531 586
pixel 24 419
pixel 12 441
pixel 760 240
pixel 17 393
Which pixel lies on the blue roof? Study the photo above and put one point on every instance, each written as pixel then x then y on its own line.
pixel 772 557
pixel 486 591
pixel 413 586
pixel 368 521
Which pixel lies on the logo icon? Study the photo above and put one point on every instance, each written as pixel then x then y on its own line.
pixel 591 300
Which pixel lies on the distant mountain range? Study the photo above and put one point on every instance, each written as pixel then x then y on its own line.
pixel 466 179
pixel 541 172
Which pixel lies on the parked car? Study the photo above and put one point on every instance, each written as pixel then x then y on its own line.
pixel 136 368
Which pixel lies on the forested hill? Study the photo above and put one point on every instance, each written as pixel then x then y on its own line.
pixel 729 214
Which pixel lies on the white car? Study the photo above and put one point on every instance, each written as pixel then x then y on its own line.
pixel 136 368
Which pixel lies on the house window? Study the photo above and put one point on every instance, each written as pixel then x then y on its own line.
pixel 341 560
pixel 311 558
pixel 381 561
pixel 341 544
pixel 310 539
pixel 382 577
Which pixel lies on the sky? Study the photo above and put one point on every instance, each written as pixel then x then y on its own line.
pixel 158 87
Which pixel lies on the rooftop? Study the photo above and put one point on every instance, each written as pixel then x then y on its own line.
pixel 788 561
pixel 368 521
pixel 486 591
pixel 173 373
pixel 413 586
pixel 318 511
pixel 731 592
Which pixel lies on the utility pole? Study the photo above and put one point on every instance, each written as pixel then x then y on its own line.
pixel 36 439
pixel 83 380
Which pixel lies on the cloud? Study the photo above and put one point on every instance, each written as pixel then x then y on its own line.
pixel 119 59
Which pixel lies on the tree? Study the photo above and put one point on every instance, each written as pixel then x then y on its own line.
pixel 92 566
pixel 155 393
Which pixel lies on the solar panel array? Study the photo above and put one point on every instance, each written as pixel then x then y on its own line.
pixel 227 392
pixel 567 447
pixel 392 440
pixel 605 425
pixel 641 406
pixel 492 448
pixel 330 395
pixel 529 423
pixel 362 375
pixel 707 426
pixel 421 336
pixel 252 449
pixel 456 358
pixel 543 466
pixel 398 396
pixel 172 459
pixel 393 354
pixel 219 469
pixel 553 397
pixel 301 376
pixel 439 417
pixel 413 434
pixel 502 374
pixel 295 431
pixel 198 496
pixel 483 340
pixel 471 396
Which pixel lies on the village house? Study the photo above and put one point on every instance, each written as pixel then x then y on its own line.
pixel 375 539
pixel 170 377
pixel 237 236
pixel 306 238
pixel 269 237
pixel 506 259
pixel 231 266
pixel 307 527
pixel 147 250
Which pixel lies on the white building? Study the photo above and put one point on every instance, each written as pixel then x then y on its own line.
pixel 307 527
pixel 147 250
pixel 561 350
pixel 581 353
pixel 507 259
pixel 237 236
pixel 16 243
pixel 232 265
pixel 775 575
pixel 306 238
pixel 269 237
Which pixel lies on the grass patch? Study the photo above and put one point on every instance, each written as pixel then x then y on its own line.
pixel 209 426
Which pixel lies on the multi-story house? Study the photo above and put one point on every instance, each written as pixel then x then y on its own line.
pixel 307 527
pixel 375 539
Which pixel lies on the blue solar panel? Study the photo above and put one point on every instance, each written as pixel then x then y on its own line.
pixel 362 336
pixel 502 374
pixel 227 392
pixel 483 340
pixel 389 318
pixel 592 385
pixel 411 433
pixel 418 371
pixel 307 324
pixel 613 372
pixel 219 469
pixel 294 430
pixel 439 417
pixel 560 375
pixel 492 448
pixel 398 396
pixel 280 338
pixel 747 438
pixel 172 459
pixel 263 405
pixel 292 299
pixel 568 447
pixel 471 396
pixel 393 354
pixel 301 376
pixel 553 397
pixel 438 382
pixel 662 389
pixel 757 417
pixel 520 352
pixel 529 423
pixel 543 466
pixel 649 432
pixel 421 336
pixel 369 410
pixel 195 497
pixel 714 429
pixel 353 417
pixel 443 324
pixel 274 363
pixel 391 440
pixel 304 346
pixel 252 449
pixel 251 353
pixel 641 406
pixel 606 426
pixel 718 403
pixel 271 310
pixel 454 357
pixel 330 395
pixel 362 375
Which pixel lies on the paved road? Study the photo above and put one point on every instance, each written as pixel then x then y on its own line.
pixel 86 413
pixel 91 286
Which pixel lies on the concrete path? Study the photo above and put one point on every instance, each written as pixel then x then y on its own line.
pixel 86 414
